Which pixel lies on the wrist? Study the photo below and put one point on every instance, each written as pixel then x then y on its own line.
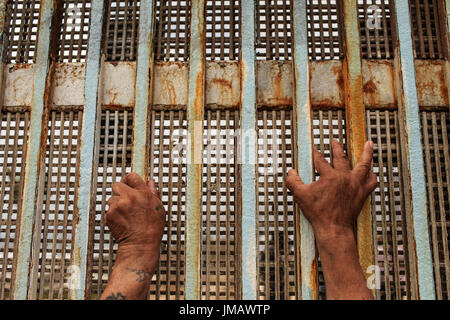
pixel 335 237
pixel 141 256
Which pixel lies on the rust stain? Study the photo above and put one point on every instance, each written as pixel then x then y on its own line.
pixel 443 87
pixel 171 91
pixel 20 66
pixel 370 87
pixel 222 82
pixel 198 102
pixel 313 276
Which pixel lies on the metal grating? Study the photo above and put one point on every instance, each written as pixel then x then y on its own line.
pixel 13 147
pixel 277 261
pixel 428 42
pixel 436 139
pixel 324 29
pixel 122 24
pixel 327 125
pixel 114 161
pixel 387 201
pixel 21 26
pixel 58 204
pixel 273 29
pixel 74 34
pixel 221 207
pixel 223 29
pixel 168 168
pixel 376 28
pixel 172 27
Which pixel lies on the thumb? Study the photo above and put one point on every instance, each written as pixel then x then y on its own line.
pixel 293 180
pixel 152 187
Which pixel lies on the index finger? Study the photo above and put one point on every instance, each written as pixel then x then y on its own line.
pixel 363 166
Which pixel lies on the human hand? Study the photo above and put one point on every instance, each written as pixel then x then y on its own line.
pixel 136 216
pixel 333 203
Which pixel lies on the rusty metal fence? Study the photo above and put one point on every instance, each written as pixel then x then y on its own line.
pixel 91 90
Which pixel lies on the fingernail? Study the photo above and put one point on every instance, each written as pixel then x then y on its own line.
pixel 370 144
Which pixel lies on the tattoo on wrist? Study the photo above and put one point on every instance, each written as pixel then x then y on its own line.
pixel 143 275
pixel 116 296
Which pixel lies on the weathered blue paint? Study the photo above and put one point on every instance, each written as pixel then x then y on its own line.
pixel 33 157
pixel 143 69
pixel 90 114
pixel 304 145
pixel 195 147
pixel 248 171
pixel 415 153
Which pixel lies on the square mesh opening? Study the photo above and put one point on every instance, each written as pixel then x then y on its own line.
pixel 122 26
pixel 168 168
pixel 425 24
pixel 388 207
pixel 435 141
pixel 74 33
pixel 376 27
pixel 220 258
pixel 58 204
pixel 21 28
pixel 13 149
pixel 324 29
pixel 172 28
pixel 277 257
pixel 222 29
pixel 273 29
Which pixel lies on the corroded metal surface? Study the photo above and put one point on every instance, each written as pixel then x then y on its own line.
pixel 68 85
pixel 195 129
pixel 118 81
pixel 308 265
pixel 432 88
pixel 33 155
pixel 355 115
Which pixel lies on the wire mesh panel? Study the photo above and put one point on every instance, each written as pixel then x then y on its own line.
pixel 13 147
pixel 222 29
pixel 74 34
pixel 21 26
pixel 324 29
pixel 375 27
pixel 58 204
pixel 388 203
pixel 220 210
pixel 114 161
pixel 172 28
pixel 122 24
pixel 168 168
pixel 436 138
pixel 277 259
pixel 273 29
pixel 428 42
pixel 327 125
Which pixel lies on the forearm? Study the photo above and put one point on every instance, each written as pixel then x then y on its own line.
pixel 131 276
pixel 344 278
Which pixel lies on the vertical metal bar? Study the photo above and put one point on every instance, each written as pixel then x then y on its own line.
pixel 85 195
pixel 195 147
pixel 34 156
pixel 416 191
pixel 248 173
pixel 143 87
pixel 355 115
pixel 309 287
pixel 2 47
